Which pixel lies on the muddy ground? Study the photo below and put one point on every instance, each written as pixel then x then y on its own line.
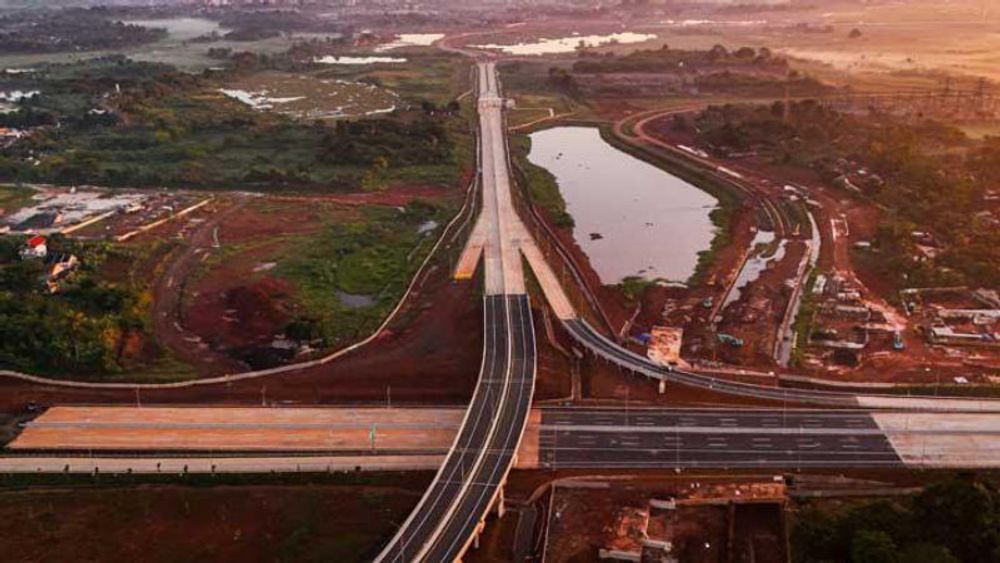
pixel 168 523
pixel 759 311
pixel 581 521
pixel 217 306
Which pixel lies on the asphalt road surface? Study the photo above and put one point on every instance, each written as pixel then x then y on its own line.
pixel 447 518
pixel 620 438
pixel 610 351
pixel 449 483
pixel 485 483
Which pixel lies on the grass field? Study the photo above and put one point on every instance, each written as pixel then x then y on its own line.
pixel 427 74
pixel 309 97
pixel 350 274
pixel 13 198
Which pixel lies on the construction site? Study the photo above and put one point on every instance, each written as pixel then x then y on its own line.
pixel 417 372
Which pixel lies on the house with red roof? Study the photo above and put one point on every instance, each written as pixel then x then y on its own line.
pixel 35 247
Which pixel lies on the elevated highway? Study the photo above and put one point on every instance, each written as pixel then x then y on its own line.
pixel 470 480
pixel 604 348
pixel 449 517
pixel 452 513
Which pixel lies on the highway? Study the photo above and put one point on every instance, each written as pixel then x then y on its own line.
pixel 470 481
pixel 485 483
pixel 451 513
pixel 604 348
pixel 680 438
pixel 474 433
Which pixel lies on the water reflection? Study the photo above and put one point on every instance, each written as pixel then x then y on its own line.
pixel 631 218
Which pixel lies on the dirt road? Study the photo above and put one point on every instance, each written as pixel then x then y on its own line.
pixel 168 319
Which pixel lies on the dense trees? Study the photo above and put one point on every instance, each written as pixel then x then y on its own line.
pixel 400 144
pixel 927 175
pixel 74 29
pixel 164 128
pixel 666 59
pixel 953 521
pixel 79 330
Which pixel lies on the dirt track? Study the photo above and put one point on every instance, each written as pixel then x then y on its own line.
pixel 168 327
pixel 433 359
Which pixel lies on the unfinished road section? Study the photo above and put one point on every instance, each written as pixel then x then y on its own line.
pixel 232 431
pixel 449 517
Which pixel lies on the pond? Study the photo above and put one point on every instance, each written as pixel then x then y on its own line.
pixel 632 218
pixel 355 300
pixel 309 98
pixel 765 249
pixel 411 40
pixel 183 29
pixel 568 44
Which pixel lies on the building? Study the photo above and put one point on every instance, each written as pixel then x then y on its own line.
pixel 35 247
pixel 59 266
pixel 665 345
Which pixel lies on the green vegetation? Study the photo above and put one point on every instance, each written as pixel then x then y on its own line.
pixel 84 328
pixel 13 198
pixel 949 522
pixel 73 29
pixel 165 128
pixel 542 185
pixel 338 516
pixel 428 75
pixel 633 287
pixel 805 318
pixel 928 177
pixel 524 77
pixel 351 274
pixel 744 72
pixel 720 217
pixel 666 59
pixel 251 25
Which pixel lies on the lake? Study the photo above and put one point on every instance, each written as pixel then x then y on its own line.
pixel 632 218
pixel 182 29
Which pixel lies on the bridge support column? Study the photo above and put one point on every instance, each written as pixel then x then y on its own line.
pixel 501 505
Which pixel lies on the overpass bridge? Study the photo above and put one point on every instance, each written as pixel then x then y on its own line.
pixel 452 513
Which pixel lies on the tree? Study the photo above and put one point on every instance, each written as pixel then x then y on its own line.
pixel 374 178
pixel 869 546
pixel 718 53
pixel 961 515
pixel 855 33
pixel 928 553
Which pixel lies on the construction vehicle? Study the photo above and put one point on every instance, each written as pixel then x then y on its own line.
pixel 730 340
pixel 897 341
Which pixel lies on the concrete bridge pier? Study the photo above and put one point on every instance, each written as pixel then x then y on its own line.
pixel 501 505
